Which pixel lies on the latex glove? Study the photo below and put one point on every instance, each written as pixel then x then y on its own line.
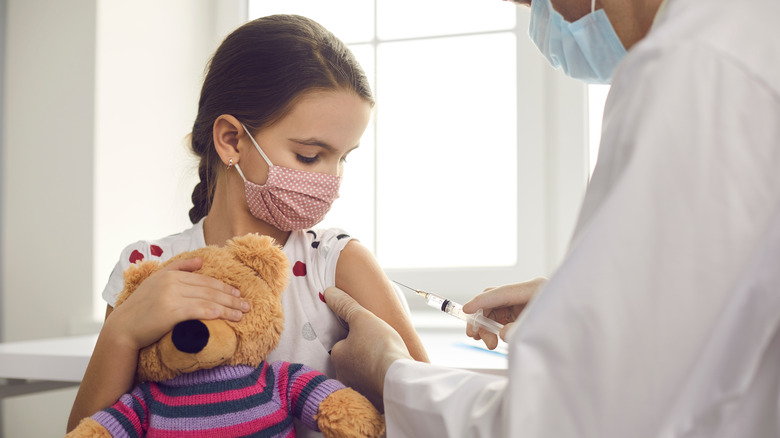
pixel 371 346
pixel 502 304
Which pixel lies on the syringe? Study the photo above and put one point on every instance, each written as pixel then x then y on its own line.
pixel 477 319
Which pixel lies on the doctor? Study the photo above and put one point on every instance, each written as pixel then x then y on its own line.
pixel 663 319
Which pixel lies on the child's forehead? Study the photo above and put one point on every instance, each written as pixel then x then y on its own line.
pixel 336 119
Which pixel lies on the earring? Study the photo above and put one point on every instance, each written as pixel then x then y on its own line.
pixel 230 164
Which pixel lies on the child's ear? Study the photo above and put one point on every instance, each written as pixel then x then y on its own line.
pixel 262 254
pixel 134 275
pixel 226 133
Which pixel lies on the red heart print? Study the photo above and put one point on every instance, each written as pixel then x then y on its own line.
pixel 299 270
pixel 136 256
pixel 155 250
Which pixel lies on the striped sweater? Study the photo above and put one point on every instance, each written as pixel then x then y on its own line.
pixel 226 401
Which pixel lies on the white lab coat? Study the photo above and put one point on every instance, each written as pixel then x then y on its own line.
pixel 663 319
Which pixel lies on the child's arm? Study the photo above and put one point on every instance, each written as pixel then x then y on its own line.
pixel 358 273
pixel 109 374
pixel 169 296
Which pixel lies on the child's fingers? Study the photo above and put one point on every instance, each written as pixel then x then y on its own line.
pixel 188 265
pixel 214 298
pixel 211 298
pixel 206 310
pixel 201 283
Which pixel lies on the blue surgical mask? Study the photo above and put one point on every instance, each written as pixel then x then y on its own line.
pixel 588 49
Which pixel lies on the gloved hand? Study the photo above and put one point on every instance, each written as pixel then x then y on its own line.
pixel 371 346
pixel 503 304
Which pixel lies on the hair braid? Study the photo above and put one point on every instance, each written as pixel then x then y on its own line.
pixel 203 192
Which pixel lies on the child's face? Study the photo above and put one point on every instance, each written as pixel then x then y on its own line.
pixel 322 128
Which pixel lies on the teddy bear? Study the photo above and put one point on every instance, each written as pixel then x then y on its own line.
pixel 209 378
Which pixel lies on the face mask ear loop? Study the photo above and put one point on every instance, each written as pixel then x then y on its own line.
pixel 257 146
pixel 592 6
pixel 238 168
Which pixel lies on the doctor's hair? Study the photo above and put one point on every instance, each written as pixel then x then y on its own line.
pixel 257 75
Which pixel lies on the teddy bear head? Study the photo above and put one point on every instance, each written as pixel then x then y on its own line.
pixel 255 266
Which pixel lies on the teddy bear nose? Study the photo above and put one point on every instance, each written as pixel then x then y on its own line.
pixel 190 336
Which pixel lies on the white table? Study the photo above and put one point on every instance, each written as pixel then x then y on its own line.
pixel 455 350
pixel 34 366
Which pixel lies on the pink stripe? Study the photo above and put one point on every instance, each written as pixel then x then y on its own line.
pixel 124 408
pixel 138 395
pixel 301 382
pixel 201 399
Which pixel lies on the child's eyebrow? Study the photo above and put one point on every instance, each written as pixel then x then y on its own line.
pixel 320 143
pixel 314 142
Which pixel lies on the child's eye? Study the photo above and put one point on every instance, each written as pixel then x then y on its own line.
pixel 307 160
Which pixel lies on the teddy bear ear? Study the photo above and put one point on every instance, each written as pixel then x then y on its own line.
pixel 262 254
pixel 134 275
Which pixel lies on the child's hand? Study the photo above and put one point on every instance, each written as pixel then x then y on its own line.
pixel 169 296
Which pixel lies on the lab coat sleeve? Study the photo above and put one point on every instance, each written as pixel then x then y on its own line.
pixel 443 402
pixel 636 331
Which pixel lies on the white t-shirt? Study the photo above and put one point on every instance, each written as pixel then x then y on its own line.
pixel 310 327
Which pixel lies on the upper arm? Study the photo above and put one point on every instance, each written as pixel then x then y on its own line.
pixel 359 274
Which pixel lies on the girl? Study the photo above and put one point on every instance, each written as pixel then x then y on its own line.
pixel 282 105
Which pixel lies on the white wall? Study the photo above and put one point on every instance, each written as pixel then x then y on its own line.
pixel 2 154
pixel 95 91
pixel 46 185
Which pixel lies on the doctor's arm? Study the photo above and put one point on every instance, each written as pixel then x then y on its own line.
pixel 419 399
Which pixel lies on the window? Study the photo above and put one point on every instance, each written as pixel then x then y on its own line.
pixel 451 185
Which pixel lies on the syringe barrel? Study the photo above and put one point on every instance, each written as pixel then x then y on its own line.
pixel 446 306
pixel 481 321
pixel 478 320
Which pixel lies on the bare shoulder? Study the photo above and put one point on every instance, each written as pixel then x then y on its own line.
pixel 357 268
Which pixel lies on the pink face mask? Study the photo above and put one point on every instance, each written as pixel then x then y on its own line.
pixel 290 199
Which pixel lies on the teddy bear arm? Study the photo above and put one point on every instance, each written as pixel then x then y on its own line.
pixel 346 413
pixel 89 428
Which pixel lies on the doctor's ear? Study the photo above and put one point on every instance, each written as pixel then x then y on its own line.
pixel 227 130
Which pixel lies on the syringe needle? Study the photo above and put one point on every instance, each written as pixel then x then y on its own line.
pixel 417 291
pixel 454 309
